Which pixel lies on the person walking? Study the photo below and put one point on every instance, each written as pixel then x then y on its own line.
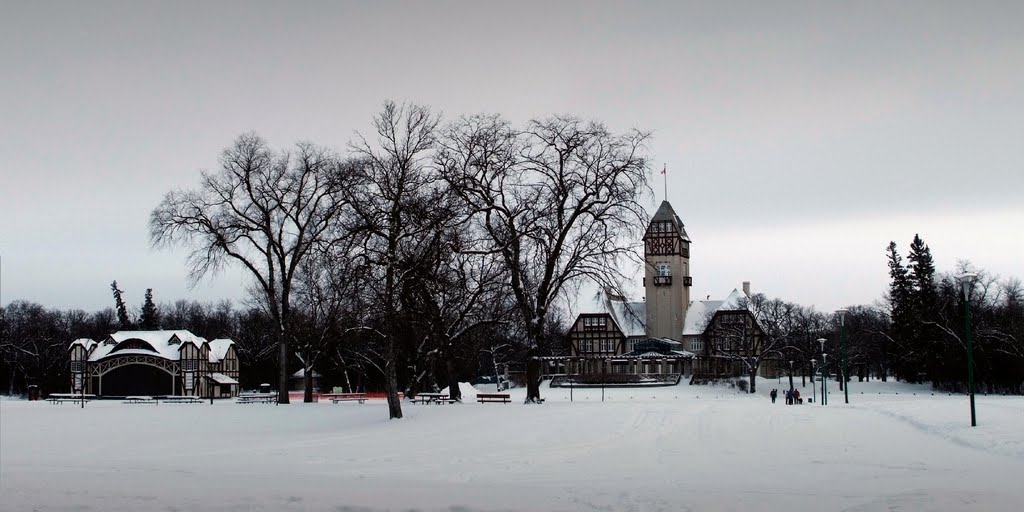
pixel 773 394
pixel 789 397
pixel 796 397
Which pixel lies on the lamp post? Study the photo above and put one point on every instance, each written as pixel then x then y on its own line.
pixel 824 378
pixel 967 280
pixel 791 375
pixel 814 389
pixel 842 347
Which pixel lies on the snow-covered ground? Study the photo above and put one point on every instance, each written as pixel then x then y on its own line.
pixel 676 448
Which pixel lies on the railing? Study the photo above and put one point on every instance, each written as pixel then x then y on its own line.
pixel 662 280
pixel 687 281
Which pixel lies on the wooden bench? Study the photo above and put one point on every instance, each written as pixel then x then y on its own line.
pixel 59 398
pixel 182 400
pixel 345 397
pixel 429 398
pixel 493 397
pixel 140 400
pixel 261 398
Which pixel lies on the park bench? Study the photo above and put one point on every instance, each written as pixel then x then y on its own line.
pixel 493 397
pixel 59 398
pixel 140 400
pixel 431 398
pixel 257 398
pixel 182 400
pixel 345 397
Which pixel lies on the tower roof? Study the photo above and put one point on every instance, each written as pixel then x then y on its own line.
pixel 666 213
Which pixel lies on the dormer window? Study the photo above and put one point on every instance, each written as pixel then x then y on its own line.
pixel 594 322
pixel 174 340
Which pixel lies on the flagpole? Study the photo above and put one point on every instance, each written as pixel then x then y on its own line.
pixel 664 174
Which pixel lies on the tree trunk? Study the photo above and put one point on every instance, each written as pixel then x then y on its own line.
pixel 282 370
pixel 391 382
pixel 453 380
pixel 791 380
pixel 533 380
pixel 307 380
pixel 753 379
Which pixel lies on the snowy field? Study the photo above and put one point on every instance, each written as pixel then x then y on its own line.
pixel 676 448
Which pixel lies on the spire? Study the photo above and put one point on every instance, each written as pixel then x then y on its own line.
pixel 666 213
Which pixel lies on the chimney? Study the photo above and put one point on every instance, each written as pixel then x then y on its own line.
pixel 746 288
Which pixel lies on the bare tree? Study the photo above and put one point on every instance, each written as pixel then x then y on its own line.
pixel 560 202
pixel 396 214
pixel 262 210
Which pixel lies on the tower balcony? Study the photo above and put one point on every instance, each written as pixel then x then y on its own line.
pixel 662 280
pixel 687 281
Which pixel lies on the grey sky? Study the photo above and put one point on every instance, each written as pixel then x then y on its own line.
pixel 800 137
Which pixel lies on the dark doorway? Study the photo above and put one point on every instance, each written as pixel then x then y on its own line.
pixel 137 379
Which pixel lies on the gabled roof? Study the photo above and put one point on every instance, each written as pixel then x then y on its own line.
pixel 631 317
pixel 665 213
pixel 736 301
pixel 219 348
pixel 698 315
pixel 85 342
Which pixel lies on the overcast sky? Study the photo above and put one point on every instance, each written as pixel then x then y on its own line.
pixel 800 138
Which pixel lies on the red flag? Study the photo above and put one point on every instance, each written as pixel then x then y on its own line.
pixel 664 169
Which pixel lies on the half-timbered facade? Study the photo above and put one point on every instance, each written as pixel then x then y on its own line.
pixel 154 363
pixel 667 332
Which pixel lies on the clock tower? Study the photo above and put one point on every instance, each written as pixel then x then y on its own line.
pixel 666 274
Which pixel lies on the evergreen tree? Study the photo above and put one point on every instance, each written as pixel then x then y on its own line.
pixel 123 319
pixel 925 340
pixel 922 276
pixel 150 319
pixel 899 312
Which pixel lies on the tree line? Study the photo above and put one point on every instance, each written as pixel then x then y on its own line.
pixel 430 252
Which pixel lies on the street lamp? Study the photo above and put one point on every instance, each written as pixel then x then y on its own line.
pixel 814 389
pixel 791 375
pixel 842 344
pixel 824 379
pixel 967 281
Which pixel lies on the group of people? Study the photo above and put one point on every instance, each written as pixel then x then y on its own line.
pixel 792 396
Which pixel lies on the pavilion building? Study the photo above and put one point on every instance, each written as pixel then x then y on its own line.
pixel 171 363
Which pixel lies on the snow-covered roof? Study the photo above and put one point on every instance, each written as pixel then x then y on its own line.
pixel 302 374
pixel 85 342
pixel 736 301
pixel 631 317
pixel 220 378
pixel 219 348
pixel 160 341
pixel 698 315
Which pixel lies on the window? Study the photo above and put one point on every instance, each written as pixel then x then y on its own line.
pixel 591 323
pixel 76 366
pixel 606 345
pixel 188 365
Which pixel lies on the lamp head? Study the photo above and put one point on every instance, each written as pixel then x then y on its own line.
pixel 842 315
pixel 814 362
pixel 822 341
pixel 967 280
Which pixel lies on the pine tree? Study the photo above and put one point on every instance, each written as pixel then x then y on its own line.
pixel 122 310
pixel 150 318
pixel 926 340
pixel 899 299
pixel 922 276
pixel 900 311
